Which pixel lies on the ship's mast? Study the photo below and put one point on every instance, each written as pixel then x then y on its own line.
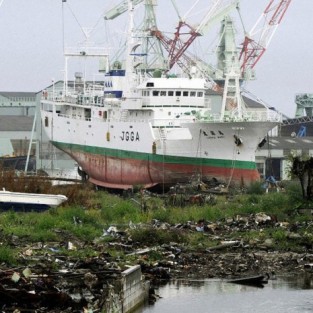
pixel 130 48
pixel 150 57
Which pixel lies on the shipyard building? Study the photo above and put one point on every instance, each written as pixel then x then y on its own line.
pixel 23 145
pixel 17 111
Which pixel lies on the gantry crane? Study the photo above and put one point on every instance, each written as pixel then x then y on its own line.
pixel 254 45
pixel 176 47
pixel 153 39
pixel 119 9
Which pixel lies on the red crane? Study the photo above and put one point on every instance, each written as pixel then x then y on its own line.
pixel 176 50
pixel 253 48
pixel 177 47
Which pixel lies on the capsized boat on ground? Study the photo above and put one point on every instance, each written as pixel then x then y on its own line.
pixel 256 281
pixel 22 201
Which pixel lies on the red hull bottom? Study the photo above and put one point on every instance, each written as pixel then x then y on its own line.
pixel 126 173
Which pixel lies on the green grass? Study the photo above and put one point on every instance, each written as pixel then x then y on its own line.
pixel 7 255
pixel 84 219
pixel 157 236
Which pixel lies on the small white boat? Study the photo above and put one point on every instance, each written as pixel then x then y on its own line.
pixel 29 201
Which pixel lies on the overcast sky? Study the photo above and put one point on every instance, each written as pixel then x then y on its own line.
pixel 31 44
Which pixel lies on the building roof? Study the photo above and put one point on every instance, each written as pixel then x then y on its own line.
pixel 289 143
pixel 70 83
pixel 9 94
pixel 16 123
pixel 295 126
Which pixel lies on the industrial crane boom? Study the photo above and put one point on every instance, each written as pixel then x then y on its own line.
pixel 253 47
pixel 176 47
pixel 119 9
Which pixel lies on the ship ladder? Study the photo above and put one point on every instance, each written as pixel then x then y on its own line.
pixel 162 134
pixel 124 115
pixel 163 139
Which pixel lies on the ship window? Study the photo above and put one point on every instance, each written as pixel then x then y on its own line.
pixel 192 93
pixel 171 93
pixel 46 121
pixel 178 93
pixel 169 113
pixel 200 94
pixel 185 93
pixel 155 93
pixel 212 133
pixel 221 133
pixel 148 93
pixel 163 93
pixel 150 84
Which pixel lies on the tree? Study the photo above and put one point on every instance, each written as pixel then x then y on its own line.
pixel 302 167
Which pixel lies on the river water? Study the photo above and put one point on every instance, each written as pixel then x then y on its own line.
pixel 284 294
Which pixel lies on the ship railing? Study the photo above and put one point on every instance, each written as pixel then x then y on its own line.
pixel 53 95
pixel 85 51
pixel 252 116
pixel 91 95
pixel 261 115
pixel 170 122
pixel 79 99
pixel 75 117
pixel 70 99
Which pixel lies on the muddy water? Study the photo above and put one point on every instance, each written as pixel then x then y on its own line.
pixel 285 294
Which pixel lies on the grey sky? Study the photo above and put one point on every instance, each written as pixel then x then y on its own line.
pixel 31 45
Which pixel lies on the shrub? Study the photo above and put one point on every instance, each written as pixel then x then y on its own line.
pixel 255 188
pixel 294 192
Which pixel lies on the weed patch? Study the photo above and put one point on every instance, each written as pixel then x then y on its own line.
pixel 7 255
pixel 152 236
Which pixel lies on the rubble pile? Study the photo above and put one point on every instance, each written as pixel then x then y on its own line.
pixel 232 254
pixel 49 280
pixel 86 285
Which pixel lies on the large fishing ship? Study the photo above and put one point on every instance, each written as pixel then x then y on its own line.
pixel 143 127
